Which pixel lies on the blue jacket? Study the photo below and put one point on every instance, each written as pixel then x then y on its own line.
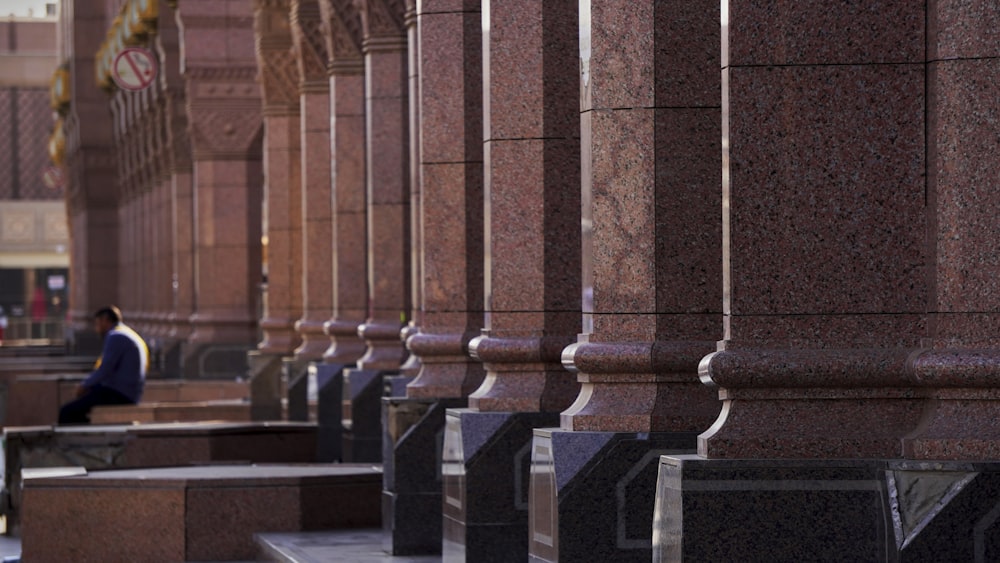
pixel 123 363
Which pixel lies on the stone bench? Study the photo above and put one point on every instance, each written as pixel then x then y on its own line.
pixel 191 513
pixel 226 410
pixel 34 400
pixel 148 445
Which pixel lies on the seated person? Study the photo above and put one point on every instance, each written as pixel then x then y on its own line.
pixel 119 375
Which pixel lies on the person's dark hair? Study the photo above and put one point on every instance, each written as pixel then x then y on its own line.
pixel 110 313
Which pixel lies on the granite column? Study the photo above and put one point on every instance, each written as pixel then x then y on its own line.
pixel 532 273
pixel 388 228
pixel 652 268
pixel 447 122
pixel 825 285
pixel 223 103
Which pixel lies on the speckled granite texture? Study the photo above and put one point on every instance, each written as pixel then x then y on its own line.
pixel 412 442
pixel 590 493
pixel 486 465
pixel 826 510
pixel 190 513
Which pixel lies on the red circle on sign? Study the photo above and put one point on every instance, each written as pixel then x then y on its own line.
pixel 53 177
pixel 134 69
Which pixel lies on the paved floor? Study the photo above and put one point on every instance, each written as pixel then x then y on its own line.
pixel 355 546
pixel 9 547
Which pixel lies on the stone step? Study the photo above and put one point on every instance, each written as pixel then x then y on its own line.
pixel 331 546
pixel 206 513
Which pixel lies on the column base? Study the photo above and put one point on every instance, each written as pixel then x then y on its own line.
pixel 265 386
pixel 485 471
pixel 363 425
pixel 297 373
pixel 412 440
pixel 214 361
pixel 329 412
pixel 591 493
pixel 825 510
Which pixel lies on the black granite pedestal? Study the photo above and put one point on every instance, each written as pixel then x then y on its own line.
pixel 413 438
pixel 329 412
pixel 363 421
pixel 485 471
pixel 787 510
pixel 592 493
pixel 298 374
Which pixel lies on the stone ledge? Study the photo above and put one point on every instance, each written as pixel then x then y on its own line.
pixel 191 513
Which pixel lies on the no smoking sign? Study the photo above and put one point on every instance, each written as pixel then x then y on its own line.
pixel 134 69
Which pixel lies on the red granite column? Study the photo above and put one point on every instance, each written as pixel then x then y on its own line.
pixel 961 360
pixel 652 268
pixel 447 199
pixel 180 218
pixel 652 194
pixel 387 180
pixel 223 113
pixel 92 187
pixel 282 183
pixel 316 201
pixel 532 281
pixel 343 36
pixel 411 366
pixel 825 230
pixel 532 187
pixel 451 202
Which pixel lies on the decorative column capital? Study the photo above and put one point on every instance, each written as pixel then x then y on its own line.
pixel 309 45
pixel 343 34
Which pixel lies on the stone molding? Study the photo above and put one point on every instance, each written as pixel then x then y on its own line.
pixel 343 34
pixel 276 57
pixel 309 45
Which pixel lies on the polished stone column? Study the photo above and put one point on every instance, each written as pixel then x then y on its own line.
pixel 345 64
pixel 316 200
pixel 180 212
pixel 387 180
pixel 532 180
pixel 91 186
pixel 652 200
pixel 223 103
pixel 532 286
pixel 451 202
pixel 446 49
pixel 282 182
pixel 825 230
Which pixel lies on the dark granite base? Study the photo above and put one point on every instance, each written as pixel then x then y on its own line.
pixel 413 436
pixel 297 393
pixel 363 430
pixel 592 493
pixel 763 510
pixel 329 412
pixel 486 465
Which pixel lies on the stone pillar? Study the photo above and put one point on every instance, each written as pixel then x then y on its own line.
pixel 411 366
pixel 449 267
pixel 223 115
pixel 387 181
pixel 316 200
pixel 532 273
pixel 388 229
pixel 345 64
pixel 282 207
pixel 826 289
pixel 91 187
pixel 282 182
pixel 652 195
pixel 180 213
